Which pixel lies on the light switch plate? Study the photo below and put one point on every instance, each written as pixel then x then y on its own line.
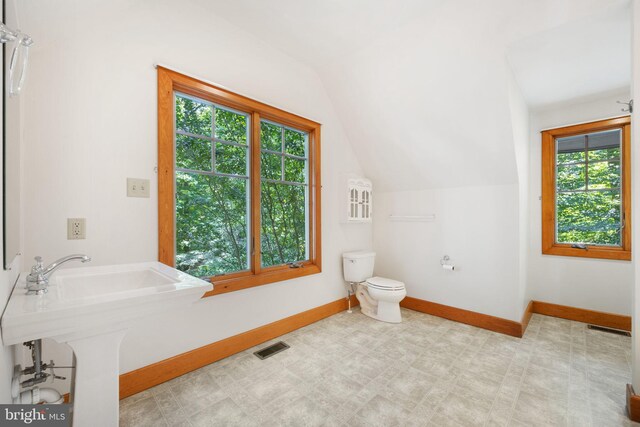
pixel 76 228
pixel 137 187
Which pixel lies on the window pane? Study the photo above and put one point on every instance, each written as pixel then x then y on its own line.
pixel 271 166
pixel 604 175
pixel 295 142
pixel 231 159
pixel 589 217
pixel 604 154
pixel 211 224
pixel 193 153
pixel 193 116
pixel 284 224
pixel 231 126
pixel 270 137
pixel 574 157
pixel 570 177
pixel 295 170
pixel 604 145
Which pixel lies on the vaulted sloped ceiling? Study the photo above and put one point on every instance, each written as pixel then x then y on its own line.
pixel 584 57
pixel 421 86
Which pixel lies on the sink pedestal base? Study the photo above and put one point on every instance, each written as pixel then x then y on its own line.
pixel 96 394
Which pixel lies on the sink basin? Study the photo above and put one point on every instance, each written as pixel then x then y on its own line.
pixel 91 310
pixel 100 285
pixel 90 300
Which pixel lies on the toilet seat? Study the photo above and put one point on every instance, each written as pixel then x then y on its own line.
pixel 384 284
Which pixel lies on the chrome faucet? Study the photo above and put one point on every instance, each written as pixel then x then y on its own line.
pixel 38 279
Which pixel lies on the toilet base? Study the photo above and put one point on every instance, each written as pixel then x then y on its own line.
pixel 385 311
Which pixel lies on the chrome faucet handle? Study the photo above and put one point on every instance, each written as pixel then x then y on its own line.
pixel 36 282
pixel 37 267
pixel 38 279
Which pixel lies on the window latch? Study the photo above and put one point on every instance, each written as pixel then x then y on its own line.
pixel 295 265
pixel 580 246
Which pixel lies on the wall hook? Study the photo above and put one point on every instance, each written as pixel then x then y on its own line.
pixel 629 105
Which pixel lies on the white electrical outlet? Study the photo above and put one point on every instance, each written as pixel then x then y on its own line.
pixel 76 228
pixel 137 187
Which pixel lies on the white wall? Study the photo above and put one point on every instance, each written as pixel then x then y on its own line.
pixel 416 116
pixel 90 122
pixel 482 228
pixel 519 119
pixel 476 226
pixel 603 285
pixel 492 234
pixel 435 138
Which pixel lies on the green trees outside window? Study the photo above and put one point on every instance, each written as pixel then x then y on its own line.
pixel 283 195
pixel 213 204
pixel 588 186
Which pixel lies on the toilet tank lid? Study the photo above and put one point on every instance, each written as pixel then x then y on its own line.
pixel 358 254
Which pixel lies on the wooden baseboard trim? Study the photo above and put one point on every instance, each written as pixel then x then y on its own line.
pixel 609 320
pixel 484 321
pixel 633 404
pixel 526 317
pixel 146 377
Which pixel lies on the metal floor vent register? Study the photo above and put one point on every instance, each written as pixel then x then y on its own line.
pixel 609 330
pixel 271 350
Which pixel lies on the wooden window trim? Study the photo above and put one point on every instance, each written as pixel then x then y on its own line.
pixel 170 81
pixel 549 245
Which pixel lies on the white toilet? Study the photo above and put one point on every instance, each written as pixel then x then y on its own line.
pixel 379 297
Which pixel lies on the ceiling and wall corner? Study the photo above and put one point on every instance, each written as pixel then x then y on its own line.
pixel 583 57
pixel 385 73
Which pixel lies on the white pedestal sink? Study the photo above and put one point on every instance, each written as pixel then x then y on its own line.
pixel 91 309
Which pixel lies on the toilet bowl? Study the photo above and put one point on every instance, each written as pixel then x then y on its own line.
pixel 379 297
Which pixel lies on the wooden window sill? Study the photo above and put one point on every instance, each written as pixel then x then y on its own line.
pixel 592 252
pixel 223 285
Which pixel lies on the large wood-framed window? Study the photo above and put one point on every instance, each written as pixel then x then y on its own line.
pixel 586 190
pixel 238 186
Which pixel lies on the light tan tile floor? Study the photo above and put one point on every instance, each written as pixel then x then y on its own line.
pixel 349 370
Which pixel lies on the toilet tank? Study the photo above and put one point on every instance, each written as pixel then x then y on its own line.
pixel 358 266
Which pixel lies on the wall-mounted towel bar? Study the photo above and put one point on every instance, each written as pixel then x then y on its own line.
pixel 412 218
